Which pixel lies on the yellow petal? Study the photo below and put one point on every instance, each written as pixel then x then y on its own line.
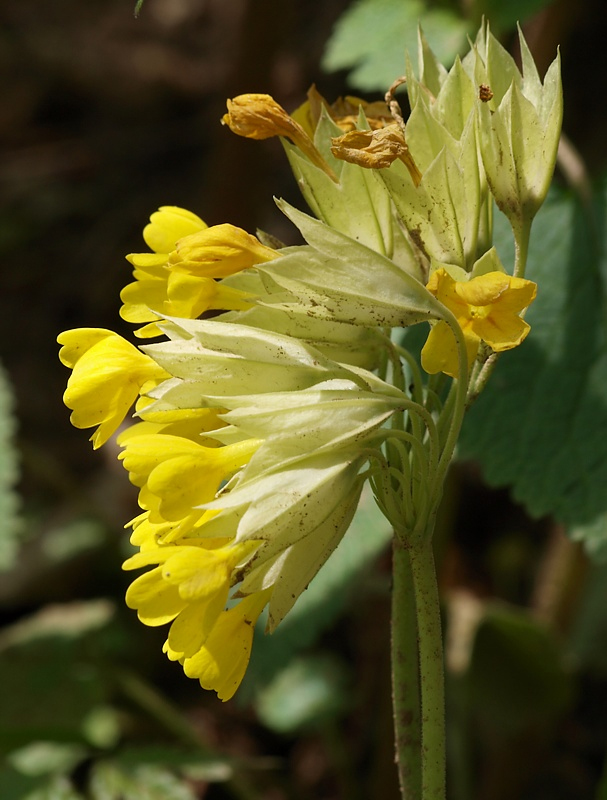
pixel 149 261
pixel 157 602
pixel 78 341
pixel 199 573
pixel 502 331
pixel 191 628
pixel 483 290
pixel 140 297
pixel 220 251
pixel 440 354
pixel 222 662
pixel 169 224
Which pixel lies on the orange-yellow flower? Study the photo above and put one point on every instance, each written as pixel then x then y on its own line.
pixel 487 308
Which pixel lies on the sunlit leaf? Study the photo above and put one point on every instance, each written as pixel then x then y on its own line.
pixel 371 38
pixel 43 758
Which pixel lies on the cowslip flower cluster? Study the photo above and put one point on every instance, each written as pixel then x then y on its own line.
pixel 257 425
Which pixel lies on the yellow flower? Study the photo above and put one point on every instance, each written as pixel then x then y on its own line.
pixel 219 251
pixel 180 277
pixel 259 116
pixel 221 662
pixel 487 309
pixel 108 374
pixel 177 475
pixel 189 588
pixel 150 529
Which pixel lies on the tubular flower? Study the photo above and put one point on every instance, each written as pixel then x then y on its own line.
pixel 177 475
pixel 108 374
pixel 519 126
pixel 487 308
pixel 181 278
pixel 189 587
pixel 221 662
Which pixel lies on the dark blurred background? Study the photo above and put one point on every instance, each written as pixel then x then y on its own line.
pixel 103 118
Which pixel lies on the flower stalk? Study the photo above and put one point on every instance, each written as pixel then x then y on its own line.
pixel 431 669
pixel 405 674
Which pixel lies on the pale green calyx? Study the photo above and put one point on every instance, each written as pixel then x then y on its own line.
pixel 518 127
pixel 339 279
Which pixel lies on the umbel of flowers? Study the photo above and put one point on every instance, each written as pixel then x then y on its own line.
pixel 277 384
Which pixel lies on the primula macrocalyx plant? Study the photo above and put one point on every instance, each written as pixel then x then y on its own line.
pixel 278 382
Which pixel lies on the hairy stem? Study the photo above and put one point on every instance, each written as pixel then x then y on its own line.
pixel 431 669
pixel 405 675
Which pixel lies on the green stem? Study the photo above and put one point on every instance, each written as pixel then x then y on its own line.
pixel 432 678
pixel 405 675
pixel 481 379
pixel 522 234
pixel 459 390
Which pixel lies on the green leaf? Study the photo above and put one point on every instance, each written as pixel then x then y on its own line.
pixel 588 639
pixel 10 527
pixel 309 692
pixel 371 38
pixel 324 600
pixel 59 787
pixel 540 426
pixel 49 682
pixel 102 727
pixel 43 758
pixel 516 673
pixel 195 765
pixel 145 782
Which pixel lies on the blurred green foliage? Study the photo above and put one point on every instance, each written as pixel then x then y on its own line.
pixel 372 36
pixel 9 500
pixel 541 426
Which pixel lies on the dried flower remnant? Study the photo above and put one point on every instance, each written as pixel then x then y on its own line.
pixel 259 116
pixel 376 149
